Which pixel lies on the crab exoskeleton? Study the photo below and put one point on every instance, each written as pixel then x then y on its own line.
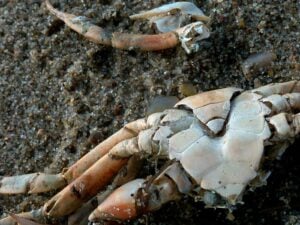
pixel 180 22
pixel 213 142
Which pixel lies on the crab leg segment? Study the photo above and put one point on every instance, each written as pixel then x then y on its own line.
pixel 132 199
pixel 118 40
pixel 150 42
pixel 126 174
pixel 82 26
pixel 140 196
pixel 31 183
pixel 120 205
pixel 84 187
pixel 34 215
pixel 128 131
pixel 40 182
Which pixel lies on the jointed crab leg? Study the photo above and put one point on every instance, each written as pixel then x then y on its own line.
pixel 31 183
pixel 90 182
pixel 81 189
pixel 172 35
pixel 119 40
pixel 32 215
pixel 128 131
pixel 73 196
pixel 84 187
pixel 40 182
pixel 140 196
pixel 126 174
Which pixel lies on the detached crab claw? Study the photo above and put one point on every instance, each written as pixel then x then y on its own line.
pixel 174 20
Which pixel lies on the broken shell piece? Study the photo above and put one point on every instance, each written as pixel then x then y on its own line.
pixel 177 17
pixel 191 34
pixel 172 16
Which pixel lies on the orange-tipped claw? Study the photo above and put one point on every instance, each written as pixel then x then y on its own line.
pixel 135 198
pixel 120 205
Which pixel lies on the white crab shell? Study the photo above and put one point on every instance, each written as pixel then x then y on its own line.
pixel 220 149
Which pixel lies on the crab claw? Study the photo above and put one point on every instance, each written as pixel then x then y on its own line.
pixel 120 205
pixel 135 198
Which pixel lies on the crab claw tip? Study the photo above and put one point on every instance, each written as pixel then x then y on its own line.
pixel 120 205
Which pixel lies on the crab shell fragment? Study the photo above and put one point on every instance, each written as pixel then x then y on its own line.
pixel 214 142
pixel 172 16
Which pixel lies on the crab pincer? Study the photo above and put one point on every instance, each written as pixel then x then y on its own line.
pixel 179 22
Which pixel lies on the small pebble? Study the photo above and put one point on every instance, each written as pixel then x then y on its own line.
pixel 257 63
pixel 187 89
pixel 161 103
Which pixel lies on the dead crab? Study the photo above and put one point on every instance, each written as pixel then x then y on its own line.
pixel 214 143
pixel 179 22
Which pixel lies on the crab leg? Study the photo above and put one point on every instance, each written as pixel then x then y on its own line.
pixel 87 185
pixel 31 183
pixel 35 215
pixel 81 189
pixel 40 182
pixel 84 187
pixel 118 40
pixel 279 88
pixel 140 196
pixel 126 174
pixel 128 131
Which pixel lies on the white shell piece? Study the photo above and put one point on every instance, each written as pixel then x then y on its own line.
pixel 170 17
pixel 182 140
pixel 201 157
pixel 208 97
pixel 294 100
pixel 182 124
pixel 243 147
pixel 161 136
pixel 227 163
pixel 182 182
pixel 279 103
pixel 216 125
pixel 191 34
pixel 246 104
pixel 174 115
pixel 229 179
pixel 177 120
pixel 280 88
pixel 168 23
pixel 162 133
pixel 250 123
pixel 154 119
pixel 281 125
pixel 145 140
pixel 212 111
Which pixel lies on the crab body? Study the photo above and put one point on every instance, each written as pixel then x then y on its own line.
pixel 213 142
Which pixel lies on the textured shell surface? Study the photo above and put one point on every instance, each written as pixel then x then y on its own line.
pixel 224 160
